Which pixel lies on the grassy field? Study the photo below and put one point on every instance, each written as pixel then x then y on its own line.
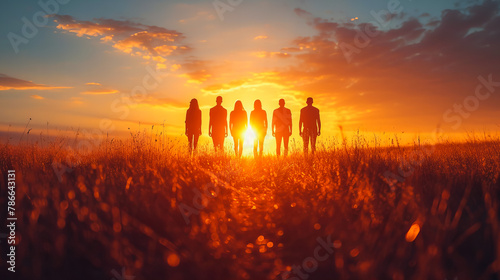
pixel 141 209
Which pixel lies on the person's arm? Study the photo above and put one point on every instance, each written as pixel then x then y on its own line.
pixel 319 125
pixel 246 120
pixel 210 124
pixel 301 122
pixel 265 121
pixel 230 124
pixel 290 126
pixel 186 122
pixel 199 124
pixel 273 124
pixel 252 119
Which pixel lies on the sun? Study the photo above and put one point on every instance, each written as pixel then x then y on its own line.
pixel 249 136
pixel 248 144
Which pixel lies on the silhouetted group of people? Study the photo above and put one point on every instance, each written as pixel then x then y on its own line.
pixel 281 126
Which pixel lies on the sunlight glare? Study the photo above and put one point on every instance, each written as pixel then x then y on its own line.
pixel 248 144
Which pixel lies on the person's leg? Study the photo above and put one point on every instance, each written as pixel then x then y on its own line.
pixel 255 143
pixel 235 146
pixel 285 143
pixel 190 142
pixel 221 142
pixel 305 138
pixel 240 151
pixel 278 143
pixel 195 141
pixel 261 145
pixel 218 142
pixel 214 140
pixel 313 142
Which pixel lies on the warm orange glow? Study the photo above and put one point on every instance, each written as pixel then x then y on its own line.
pixel 249 138
pixel 412 232
pixel 37 97
pixel 100 91
pixel 173 260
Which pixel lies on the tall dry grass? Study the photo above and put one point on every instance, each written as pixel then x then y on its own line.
pixel 121 207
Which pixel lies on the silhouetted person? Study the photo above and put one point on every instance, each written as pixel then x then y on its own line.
pixel 258 122
pixel 217 127
pixel 281 126
pixel 238 123
pixel 309 120
pixel 193 124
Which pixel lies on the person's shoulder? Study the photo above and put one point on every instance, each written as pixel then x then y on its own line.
pixel 315 109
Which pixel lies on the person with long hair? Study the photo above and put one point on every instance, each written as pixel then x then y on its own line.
pixel 238 123
pixel 258 122
pixel 193 125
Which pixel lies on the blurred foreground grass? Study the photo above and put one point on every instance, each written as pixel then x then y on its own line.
pixel 144 209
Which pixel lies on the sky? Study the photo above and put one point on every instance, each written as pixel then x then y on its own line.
pixel 376 66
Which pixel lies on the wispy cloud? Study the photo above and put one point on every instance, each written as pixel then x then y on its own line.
pixel 38 97
pixel 99 91
pixel 260 37
pixel 9 83
pixel 197 71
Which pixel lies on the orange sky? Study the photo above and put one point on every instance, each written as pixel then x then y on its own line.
pixel 419 67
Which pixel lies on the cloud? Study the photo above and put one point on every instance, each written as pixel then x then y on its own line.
pixel 302 13
pixel 411 70
pixel 405 75
pixel 151 43
pixel 197 71
pixel 199 16
pixel 100 91
pixel 260 37
pixel 76 100
pixel 147 41
pixel 157 100
pixel 8 83
pixel 263 54
pixel 38 97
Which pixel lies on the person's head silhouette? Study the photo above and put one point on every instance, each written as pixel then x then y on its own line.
pixel 218 100
pixel 194 104
pixel 257 105
pixel 309 101
pixel 282 103
pixel 238 106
